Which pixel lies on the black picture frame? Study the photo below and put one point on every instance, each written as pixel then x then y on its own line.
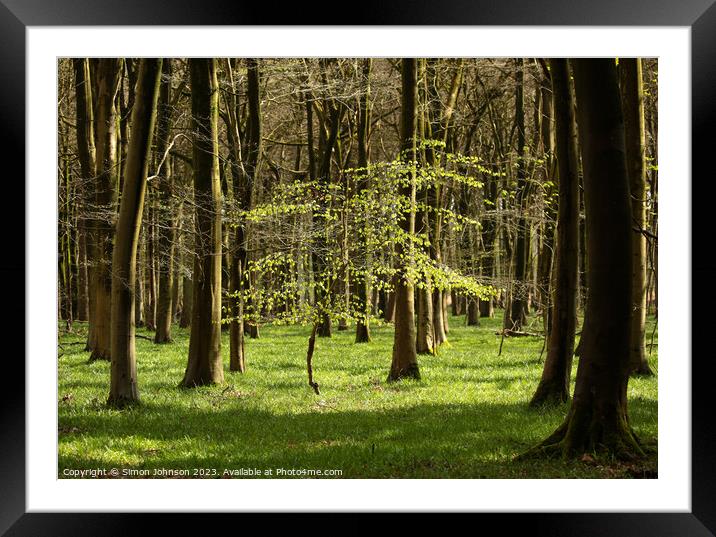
pixel 16 15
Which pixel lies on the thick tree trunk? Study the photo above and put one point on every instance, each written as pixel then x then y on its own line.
pixel 633 102
pixel 106 192
pixel 473 312
pixel 123 377
pixel 405 361
pixel 554 385
pixel 204 362
pixel 597 419
pixel 165 215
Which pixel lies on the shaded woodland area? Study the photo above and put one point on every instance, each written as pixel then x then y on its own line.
pixel 353 203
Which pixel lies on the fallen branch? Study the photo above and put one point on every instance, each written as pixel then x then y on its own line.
pixel 517 333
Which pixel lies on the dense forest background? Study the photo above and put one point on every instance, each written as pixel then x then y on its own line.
pixel 407 204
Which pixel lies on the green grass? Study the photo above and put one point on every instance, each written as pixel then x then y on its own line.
pixel 466 418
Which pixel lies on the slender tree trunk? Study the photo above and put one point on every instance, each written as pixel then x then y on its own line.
pixel 82 292
pixel 187 299
pixel 405 360
pixel 633 103
pixel 139 287
pixel 363 285
pixel 123 377
pixel 516 316
pixel 87 156
pixel 424 329
pixel 204 362
pixel 598 419
pixel 243 186
pixel 554 385
pixel 165 215
pixel 150 281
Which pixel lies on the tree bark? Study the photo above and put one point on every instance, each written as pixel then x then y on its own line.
pixel 516 316
pixel 123 377
pixel 633 104
pixel 243 186
pixel 187 299
pixel 554 384
pixel 204 362
pixel 165 215
pixel 405 361
pixel 106 193
pixel 363 285
pixel 87 156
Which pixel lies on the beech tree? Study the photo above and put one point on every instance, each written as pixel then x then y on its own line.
pixel 166 228
pixel 106 193
pixel 554 385
pixel 405 361
pixel 597 419
pixel 123 380
pixel 630 71
pixel 204 363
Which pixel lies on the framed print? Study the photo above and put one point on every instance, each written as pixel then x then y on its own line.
pixel 274 263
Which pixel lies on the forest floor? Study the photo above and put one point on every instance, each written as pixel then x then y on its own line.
pixel 467 418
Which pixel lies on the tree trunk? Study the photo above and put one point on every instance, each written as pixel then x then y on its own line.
pixel 424 333
pixel 106 192
pixel 165 215
pixel 123 377
pixel 242 189
pixel 150 303
pixel 473 312
pixel 633 103
pixel 405 361
pixel 204 362
pixel 554 385
pixel 440 327
pixel 187 299
pixel 597 419
pixel 364 288
pixel 82 277
pixel 516 316
pixel 87 154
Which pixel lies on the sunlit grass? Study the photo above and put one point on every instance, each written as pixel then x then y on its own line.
pixel 466 418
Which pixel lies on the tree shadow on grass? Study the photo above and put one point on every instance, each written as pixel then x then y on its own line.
pixel 425 440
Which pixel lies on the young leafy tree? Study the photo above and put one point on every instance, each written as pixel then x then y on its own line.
pixel 405 360
pixel 597 419
pixel 123 377
pixel 204 362
pixel 554 385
